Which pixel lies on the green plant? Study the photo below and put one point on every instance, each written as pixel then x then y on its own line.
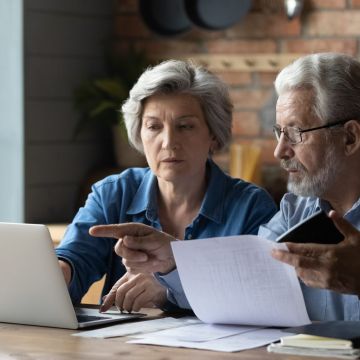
pixel 99 99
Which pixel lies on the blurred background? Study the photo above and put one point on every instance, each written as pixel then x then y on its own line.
pixel 66 66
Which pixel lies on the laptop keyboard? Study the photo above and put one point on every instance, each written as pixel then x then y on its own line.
pixel 87 318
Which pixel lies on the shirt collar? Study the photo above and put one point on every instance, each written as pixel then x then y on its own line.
pixel 145 199
pixel 213 204
pixel 325 206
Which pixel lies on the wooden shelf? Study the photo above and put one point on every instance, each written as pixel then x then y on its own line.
pixel 246 63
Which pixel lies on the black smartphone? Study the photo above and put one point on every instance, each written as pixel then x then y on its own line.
pixel 318 228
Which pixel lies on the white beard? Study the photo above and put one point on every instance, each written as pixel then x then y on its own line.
pixel 317 184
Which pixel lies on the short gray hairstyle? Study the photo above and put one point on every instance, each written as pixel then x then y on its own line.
pixel 334 79
pixel 181 77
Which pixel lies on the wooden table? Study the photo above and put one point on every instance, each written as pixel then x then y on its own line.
pixel 23 342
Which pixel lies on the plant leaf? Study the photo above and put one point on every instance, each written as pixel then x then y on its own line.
pixel 112 87
pixel 104 105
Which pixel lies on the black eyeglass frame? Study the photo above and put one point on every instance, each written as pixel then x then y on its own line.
pixel 277 130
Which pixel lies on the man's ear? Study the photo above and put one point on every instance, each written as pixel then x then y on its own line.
pixel 352 136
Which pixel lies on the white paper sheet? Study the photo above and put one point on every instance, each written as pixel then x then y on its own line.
pixel 243 341
pixel 199 332
pixel 234 280
pixel 138 327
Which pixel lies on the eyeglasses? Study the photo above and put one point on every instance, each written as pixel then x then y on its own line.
pixel 294 134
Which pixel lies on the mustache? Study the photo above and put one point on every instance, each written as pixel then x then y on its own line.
pixel 291 164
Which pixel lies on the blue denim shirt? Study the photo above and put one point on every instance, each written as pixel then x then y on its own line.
pixel 321 304
pixel 230 207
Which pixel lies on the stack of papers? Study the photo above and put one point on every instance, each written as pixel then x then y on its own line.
pixel 311 345
pixel 227 338
pixel 234 281
pixel 138 327
pixel 229 280
pixel 188 332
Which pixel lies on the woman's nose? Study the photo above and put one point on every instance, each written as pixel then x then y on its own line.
pixel 169 139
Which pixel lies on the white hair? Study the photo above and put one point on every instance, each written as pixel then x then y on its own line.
pixel 334 79
pixel 181 77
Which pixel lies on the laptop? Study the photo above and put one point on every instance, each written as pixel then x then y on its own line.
pixel 33 288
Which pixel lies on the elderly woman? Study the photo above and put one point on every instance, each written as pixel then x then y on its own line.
pixel 177 114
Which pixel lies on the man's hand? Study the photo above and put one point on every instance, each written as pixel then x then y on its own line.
pixel 142 248
pixel 133 292
pixel 334 267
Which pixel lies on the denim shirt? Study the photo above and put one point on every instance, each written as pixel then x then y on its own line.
pixel 230 207
pixel 321 304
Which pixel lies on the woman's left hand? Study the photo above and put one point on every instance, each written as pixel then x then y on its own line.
pixel 135 291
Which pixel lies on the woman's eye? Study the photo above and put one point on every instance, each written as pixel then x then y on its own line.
pixel 153 127
pixel 186 126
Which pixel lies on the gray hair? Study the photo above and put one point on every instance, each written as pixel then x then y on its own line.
pixel 334 79
pixel 180 77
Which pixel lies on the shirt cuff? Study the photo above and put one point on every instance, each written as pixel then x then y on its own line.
pixel 175 293
pixel 72 268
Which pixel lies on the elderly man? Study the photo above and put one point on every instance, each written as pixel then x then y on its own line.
pixel 318 133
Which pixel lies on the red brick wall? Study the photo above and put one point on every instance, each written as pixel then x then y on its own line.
pixel 325 25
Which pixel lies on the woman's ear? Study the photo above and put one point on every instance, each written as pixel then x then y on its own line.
pixel 214 144
pixel 352 136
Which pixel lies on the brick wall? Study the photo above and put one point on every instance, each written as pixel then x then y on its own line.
pixel 325 25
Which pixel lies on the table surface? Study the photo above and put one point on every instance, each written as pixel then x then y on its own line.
pixel 40 343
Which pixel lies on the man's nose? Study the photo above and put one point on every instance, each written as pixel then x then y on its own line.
pixel 283 149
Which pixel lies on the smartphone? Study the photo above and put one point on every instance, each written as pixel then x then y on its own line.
pixel 318 228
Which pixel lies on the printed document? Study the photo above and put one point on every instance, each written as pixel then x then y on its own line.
pixel 244 339
pixel 235 280
pixel 138 327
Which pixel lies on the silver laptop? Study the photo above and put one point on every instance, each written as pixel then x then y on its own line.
pixel 33 289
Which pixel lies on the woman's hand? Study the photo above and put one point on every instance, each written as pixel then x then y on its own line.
pixel 133 292
pixel 66 269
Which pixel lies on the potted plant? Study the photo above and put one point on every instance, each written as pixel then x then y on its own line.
pixel 99 101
